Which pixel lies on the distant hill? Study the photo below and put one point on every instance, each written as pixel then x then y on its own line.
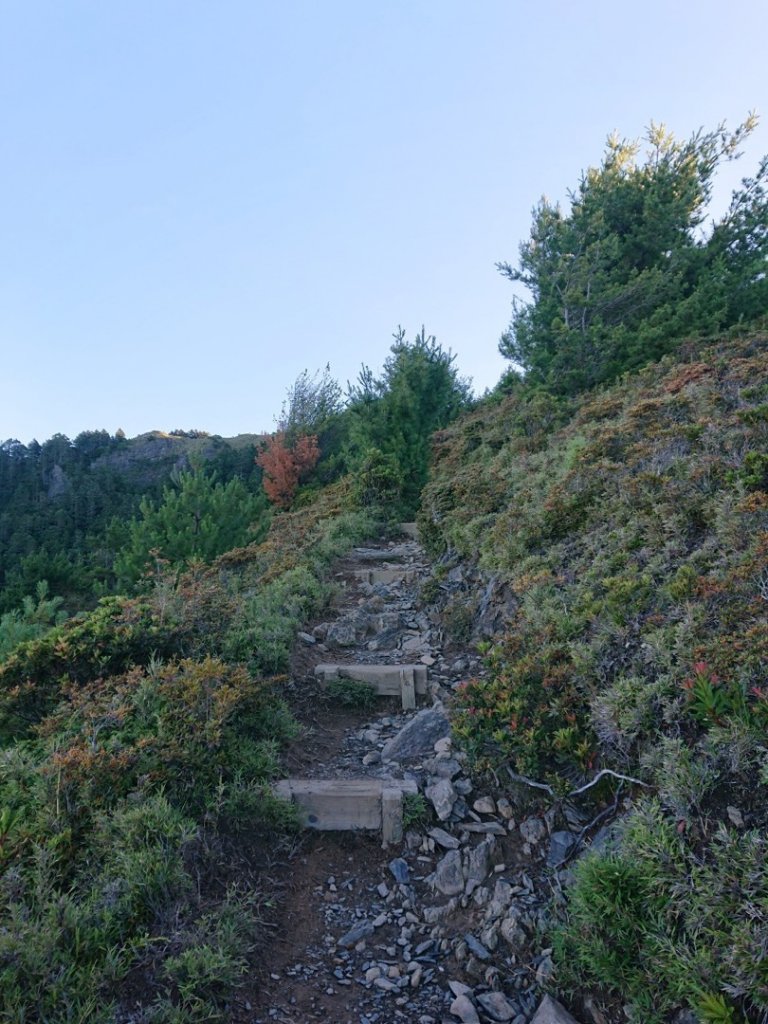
pixel 58 498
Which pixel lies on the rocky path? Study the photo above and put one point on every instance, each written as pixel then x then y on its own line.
pixel 442 926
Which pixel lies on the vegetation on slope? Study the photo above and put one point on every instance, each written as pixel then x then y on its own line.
pixel 59 499
pixel 631 526
pixel 141 738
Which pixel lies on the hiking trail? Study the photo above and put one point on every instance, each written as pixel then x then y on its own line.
pixel 410 897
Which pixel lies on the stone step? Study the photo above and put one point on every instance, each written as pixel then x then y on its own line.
pixel 343 805
pixel 410 530
pixel 386 576
pixel 404 681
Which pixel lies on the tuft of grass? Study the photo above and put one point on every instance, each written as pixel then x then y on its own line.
pixel 637 918
pixel 416 811
pixel 350 693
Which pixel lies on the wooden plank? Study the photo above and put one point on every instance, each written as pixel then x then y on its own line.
pixel 344 804
pixel 408 688
pixel 391 816
pixel 336 804
pixel 385 576
pixel 386 680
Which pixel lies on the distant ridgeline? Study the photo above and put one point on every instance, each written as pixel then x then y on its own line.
pixel 57 501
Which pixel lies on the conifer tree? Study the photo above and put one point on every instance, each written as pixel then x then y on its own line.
pixel 624 273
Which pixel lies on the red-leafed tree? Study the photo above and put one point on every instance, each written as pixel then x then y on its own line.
pixel 284 465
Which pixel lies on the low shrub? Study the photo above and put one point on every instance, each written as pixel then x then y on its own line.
pixel 664 928
pixel 350 693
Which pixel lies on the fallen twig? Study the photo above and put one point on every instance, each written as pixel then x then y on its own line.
pixel 615 775
pixel 582 789
pixel 529 782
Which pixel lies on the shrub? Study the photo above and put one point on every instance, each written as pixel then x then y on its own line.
pixel 352 694
pixel 637 919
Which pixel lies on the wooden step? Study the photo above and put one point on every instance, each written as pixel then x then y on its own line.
pixel 343 805
pixel 385 576
pixel 403 681
pixel 393 554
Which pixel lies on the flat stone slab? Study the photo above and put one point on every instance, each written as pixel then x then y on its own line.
pixel 551 1012
pixel 386 680
pixel 410 530
pixel 343 805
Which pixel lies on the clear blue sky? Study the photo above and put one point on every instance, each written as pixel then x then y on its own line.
pixel 200 200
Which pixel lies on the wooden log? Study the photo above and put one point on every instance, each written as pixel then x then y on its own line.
pixel 345 804
pixel 386 680
pixel 408 688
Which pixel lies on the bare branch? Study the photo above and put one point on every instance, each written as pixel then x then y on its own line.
pixel 529 782
pixel 615 775
pixel 582 789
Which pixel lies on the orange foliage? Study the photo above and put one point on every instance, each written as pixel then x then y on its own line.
pixel 284 466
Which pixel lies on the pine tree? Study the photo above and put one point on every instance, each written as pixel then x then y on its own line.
pixel 626 271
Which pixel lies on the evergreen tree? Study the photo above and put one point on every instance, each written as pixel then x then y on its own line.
pixel 396 414
pixel 36 616
pixel 626 270
pixel 196 518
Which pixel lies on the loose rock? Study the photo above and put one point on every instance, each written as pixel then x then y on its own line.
pixel 362 930
pixel 462 1008
pixel 551 1012
pixel 442 796
pixel 560 845
pixel 400 870
pixel 533 830
pixel 448 877
pixel 444 839
pixel 485 805
pixel 497 1006
pixel 418 736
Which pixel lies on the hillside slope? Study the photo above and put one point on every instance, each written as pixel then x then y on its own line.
pixel 625 535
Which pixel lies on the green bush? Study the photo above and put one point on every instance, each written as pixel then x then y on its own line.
pixel 265 625
pixel 350 693
pixel 663 929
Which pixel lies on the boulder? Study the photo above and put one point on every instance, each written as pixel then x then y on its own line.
pixel 418 736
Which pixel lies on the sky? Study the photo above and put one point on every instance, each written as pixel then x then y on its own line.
pixel 201 200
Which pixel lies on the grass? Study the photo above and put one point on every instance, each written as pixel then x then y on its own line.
pixel 350 693
pixel 630 526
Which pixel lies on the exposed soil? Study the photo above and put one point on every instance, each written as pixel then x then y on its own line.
pixel 295 978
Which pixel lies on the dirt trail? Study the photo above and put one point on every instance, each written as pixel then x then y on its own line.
pixel 440 927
